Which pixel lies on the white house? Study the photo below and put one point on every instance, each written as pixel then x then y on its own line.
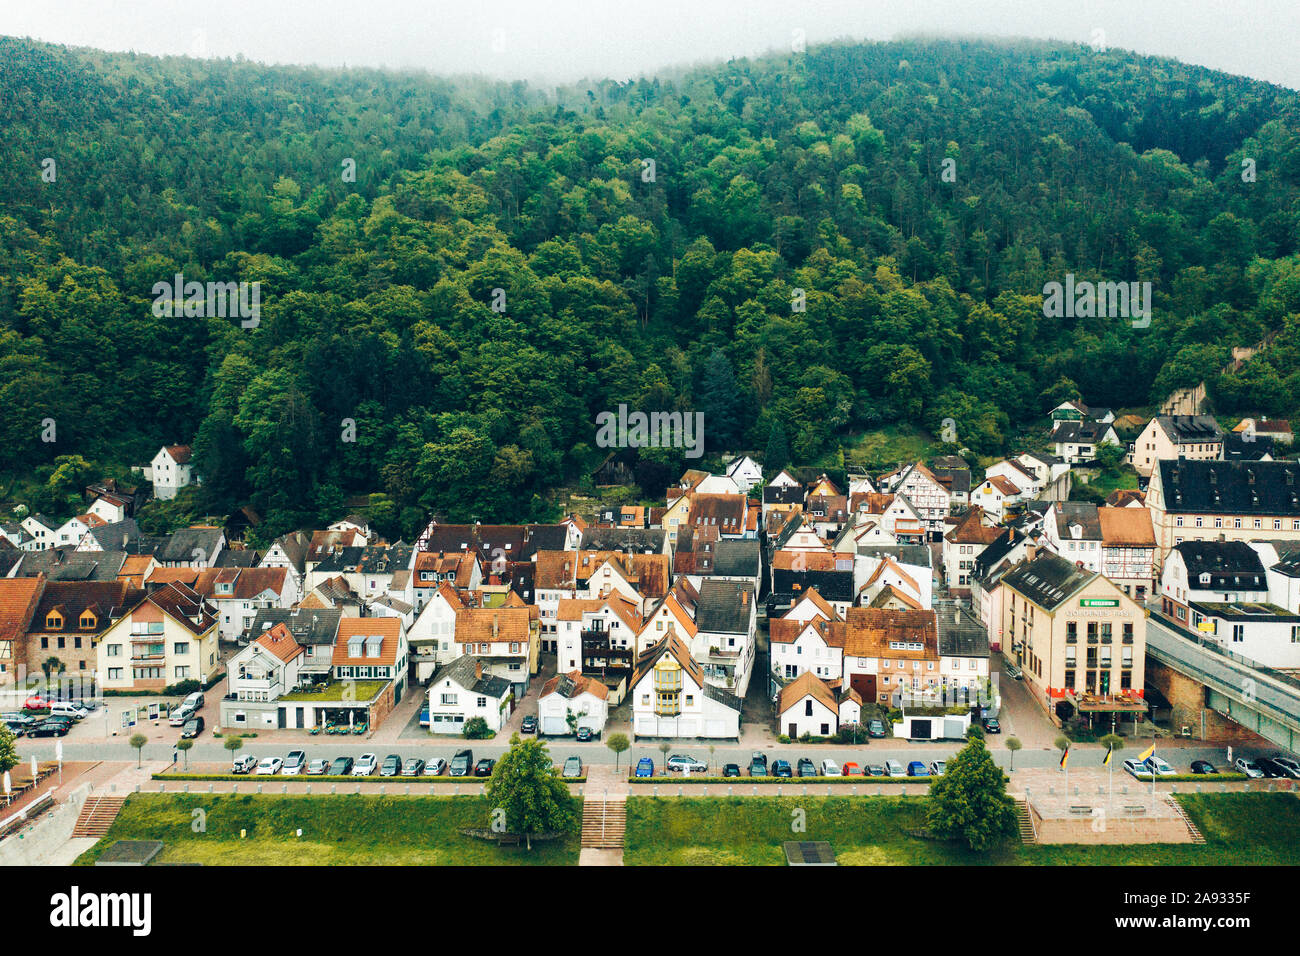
pixel 267 668
pixel 586 698
pixel 1077 442
pixel 807 706
pixel 994 493
pixel 170 471
pixel 745 473
pixel 109 510
pixel 671 697
pixel 928 495
pixel 1073 530
pixel 799 647
pixel 42 532
pixel 464 690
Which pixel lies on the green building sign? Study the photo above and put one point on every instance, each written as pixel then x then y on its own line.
pixel 1098 602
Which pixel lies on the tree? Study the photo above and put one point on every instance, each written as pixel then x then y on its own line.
pixel 719 398
pixel 525 785
pixel 8 749
pixel 974 732
pixel 476 728
pixel 52 665
pixel 778 450
pixel 969 802
pixel 184 746
pixel 663 749
pixel 138 741
pixel 1013 744
pixel 1113 741
pixel 233 744
pixel 619 744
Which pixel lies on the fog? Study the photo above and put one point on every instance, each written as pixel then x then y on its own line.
pixel 562 40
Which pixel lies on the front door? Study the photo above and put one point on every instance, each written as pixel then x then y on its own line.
pixel 793 732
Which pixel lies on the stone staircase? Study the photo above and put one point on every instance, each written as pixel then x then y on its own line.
pixel 97 815
pixel 1197 836
pixel 604 823
pixel 1025 824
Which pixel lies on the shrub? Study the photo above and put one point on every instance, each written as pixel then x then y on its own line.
pixel 476 728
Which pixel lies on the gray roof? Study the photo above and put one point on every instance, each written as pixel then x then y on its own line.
pixel 181 545
pixel 65 564
pixel 1236 448
pixel 713 692
pixel 117 536
pixel 309 626
pixel 341 560
pixel 1086 432
pixel 960 632
pixel 630 540
pixel 918 555
pixel 1082 513
pixel 724 606
pixel 461 670
pixel 737 558
pixel 1048 580
pixel 242 558
pixel 1191 428
pixel 1265 488
pixel 1232 565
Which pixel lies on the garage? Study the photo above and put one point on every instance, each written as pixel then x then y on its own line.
pixel 553 726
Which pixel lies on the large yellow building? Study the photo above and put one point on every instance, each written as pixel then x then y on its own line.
pixel 170 636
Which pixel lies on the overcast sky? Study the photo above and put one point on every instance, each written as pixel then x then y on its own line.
pixel 569 39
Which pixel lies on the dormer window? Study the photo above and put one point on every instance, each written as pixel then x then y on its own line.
pixel 87 620
pixel 1205 577
pixel 53 621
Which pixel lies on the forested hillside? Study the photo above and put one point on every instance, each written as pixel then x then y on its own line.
pixel 821 171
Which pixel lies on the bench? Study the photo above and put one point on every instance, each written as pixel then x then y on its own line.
pixel 1077 809
pixel 1135 809
pixel 508 839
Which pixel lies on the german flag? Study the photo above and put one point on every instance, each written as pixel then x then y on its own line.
pixel 1065 755
pixel 1147 754
pixel 1105 762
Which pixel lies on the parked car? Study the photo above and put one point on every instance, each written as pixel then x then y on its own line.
pixel 37 702
pixel 585 734
pixel 365 765
pixel 876 728
pixel 294 762
pixel 193 727
pixel 781 768
pixel 758 764
pixel 65 708
pixel 462 764
pixel 391 766
pixel 179 716
pixel 1290 763
pixel 1159 767
pixel 895 769
pixel 851 769
pixel 341 767
pixel 413 768
pixel 937 768
pixel 1247 766
pixel 1011 670
pixel 194 701
pixel 244 764
pixel 679 763
pixel 48 728
pixel 268 766
pixel 830 768
pixel 806 768
pixel 731 770
pixel 484 767
pixel 1203 766
pixel 15 728
pixel 645 767
pixel 1140 770
pixel 318 767
pixel 436 767
pixel 14 717
pixel 528 725
pixel 424 716
pixel 572 767
pixel 991 726
pixel 1271 767
pixel 915 768
pixel 875 770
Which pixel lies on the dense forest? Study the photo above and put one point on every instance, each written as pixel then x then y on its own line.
pixel 802 247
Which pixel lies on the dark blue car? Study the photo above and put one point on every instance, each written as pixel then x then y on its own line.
pixel 916 769
pixel 645 767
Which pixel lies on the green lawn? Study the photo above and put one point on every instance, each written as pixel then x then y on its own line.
pixel 889 446
pixel 338 830
pixel 1239 828
pixel 357 692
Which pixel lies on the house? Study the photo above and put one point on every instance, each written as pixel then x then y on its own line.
pixel 905 568
pixel 1009 549
pixel 631 540
pixel 962 545
pixel 506 638
pixel 315 629
pixel 963 655
pixel 675 614
pixel 799 641
pixel 15 535
pixel 239 593
pixel 783 493
pixel 745 473
pixel 108 497
pixel 1077 442
pixel 463 690
pixel 259 675
pixel 726 622
pixel 585 699
pixel 888 654
pixel 123 535
pixel 372 649
pixel 19 599
pixel 169 636
pixel 1211 572
pixel 1277 429
pixel 1126 498
pixel 1233 501
pixel 954 474
pixel 796 571
pixel 1080 640
pixel 1073 411
pixel 1029 480
pixel 1265 633
pixel 1052 474
pixel 432 636
pixel 889 585
pixel 1073 530
pixel 431 569
pixel 170 471
pixel 194 547
pixel 928 495
pixel 1242 446
pixel 1128 550
pixel 672 699
pixel 994 494
pixel 808 707
pixel 41 532
pixel 69 620
pixel 597 637
pixel 731 514
pixel 70 533
pixel 1194 437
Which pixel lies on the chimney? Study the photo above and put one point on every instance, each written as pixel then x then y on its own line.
pixel 496 625
pixel 478 670
pixel 1031 552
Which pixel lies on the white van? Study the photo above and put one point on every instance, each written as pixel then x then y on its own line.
pixel 181 714
pixel 65 708
pixel 194 701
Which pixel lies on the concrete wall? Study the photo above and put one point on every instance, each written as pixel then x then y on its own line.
pixel 1187 699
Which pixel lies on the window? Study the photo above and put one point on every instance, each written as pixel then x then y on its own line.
pixel 1238 633
pixel 181 647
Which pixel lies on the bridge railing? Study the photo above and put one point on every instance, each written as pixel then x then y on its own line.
pixel 1217 648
